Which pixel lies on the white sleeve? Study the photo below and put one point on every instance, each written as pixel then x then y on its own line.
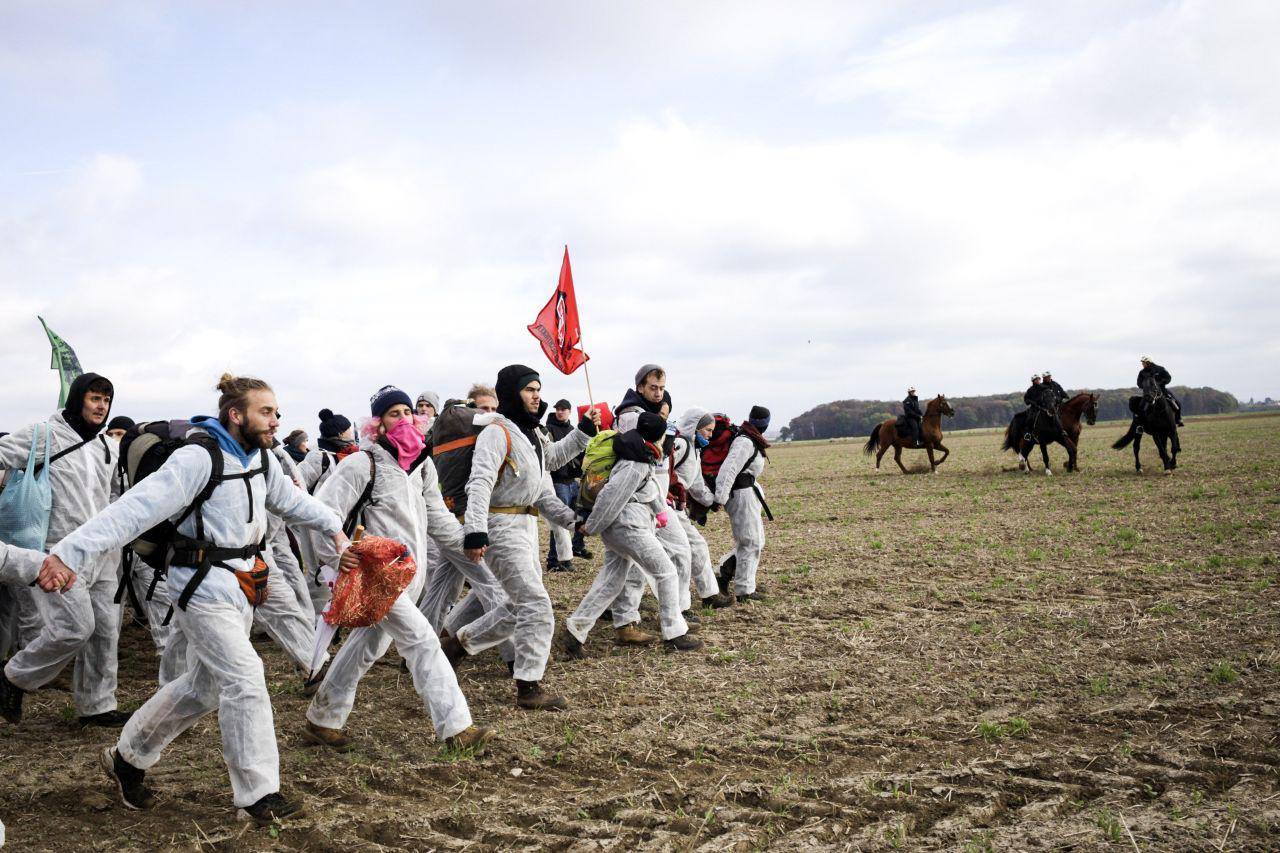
pixel 739 453
pixel 15 447
pixel 287 500
pixel 564 451
pixel 624 480
pixel 19 566
pixel 491 450
pixel 339 494
pixel 552 508
pixel 442 525
pixel 162 495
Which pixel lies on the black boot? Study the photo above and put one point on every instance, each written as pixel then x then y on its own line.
pixel 572 645
pixel 129 780
pixel 10 699
pixel 718 600
pixel 452 649
pixel 270 809
pixel 107 719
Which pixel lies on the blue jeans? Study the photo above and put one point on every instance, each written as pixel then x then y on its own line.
pixel 568 494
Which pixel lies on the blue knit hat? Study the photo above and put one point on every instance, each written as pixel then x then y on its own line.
pixel 386 397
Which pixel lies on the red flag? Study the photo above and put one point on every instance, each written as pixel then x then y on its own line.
pixel 556 327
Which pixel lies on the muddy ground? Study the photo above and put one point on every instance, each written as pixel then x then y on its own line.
pixel 974 660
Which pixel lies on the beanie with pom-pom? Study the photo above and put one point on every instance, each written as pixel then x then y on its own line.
pixel 331 425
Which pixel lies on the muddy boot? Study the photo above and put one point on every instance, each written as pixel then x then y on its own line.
pixel 728 569
pixel 322 736
pixel 10 699
pixel 632 635
pixel 718 600
pixel 683 643
pixel 107 719
pixel 473 738
pixel 606 616
pixel 129 780
pixel 271 808
pixel 571 645
pixel 452 649
pixel 694 623
pixel 312 685
pixel 531 697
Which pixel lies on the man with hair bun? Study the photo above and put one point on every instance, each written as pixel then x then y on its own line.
pixel 219 545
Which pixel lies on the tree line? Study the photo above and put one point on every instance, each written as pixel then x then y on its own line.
pixel 844 418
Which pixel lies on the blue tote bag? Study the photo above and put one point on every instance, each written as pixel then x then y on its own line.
pixel 27 499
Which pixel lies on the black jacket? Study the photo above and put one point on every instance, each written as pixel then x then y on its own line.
pixel 911 407
pixel 1059 393
pixel 572 469
pixel 1154 373
pixel 1036 396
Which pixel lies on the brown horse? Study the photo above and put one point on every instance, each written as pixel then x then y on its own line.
pixel 886 435
pixel 1021 439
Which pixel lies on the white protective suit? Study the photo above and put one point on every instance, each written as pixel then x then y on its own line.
pixel 83 624
pixel 20 566
pixel 689 472
pixel 314 469
pixel 406 507
pixel 502 498
pixel 624 517
pixel 626 610
pixel 223 671
pixel 743 508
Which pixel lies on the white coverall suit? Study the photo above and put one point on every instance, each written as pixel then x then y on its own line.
pixel 223 671
pixel 315 468
pixel 626 610
pixel 406 507
pixel 83 624
pixel 624 517
pixel 527 617
pixel 743 509
pixel 689 473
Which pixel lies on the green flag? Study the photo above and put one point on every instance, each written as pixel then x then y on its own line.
pixel 64 361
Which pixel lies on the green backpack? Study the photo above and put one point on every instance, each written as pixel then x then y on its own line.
pixel 597 463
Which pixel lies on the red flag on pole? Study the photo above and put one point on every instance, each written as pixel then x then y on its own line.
pixel 556 327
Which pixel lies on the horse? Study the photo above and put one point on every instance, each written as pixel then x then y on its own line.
pixel 885 435
pixel 1046 432
pixel 1160 422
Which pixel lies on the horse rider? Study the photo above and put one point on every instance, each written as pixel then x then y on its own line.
pixel 1154 380
pixel 1039 400
pixel 1059 393
pixel 911 411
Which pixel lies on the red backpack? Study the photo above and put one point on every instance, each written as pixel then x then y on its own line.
pixel 713 455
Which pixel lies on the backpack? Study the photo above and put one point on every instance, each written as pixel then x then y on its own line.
pixel 453 447
pixel 597 463
pixel 143 449
pixel 717 449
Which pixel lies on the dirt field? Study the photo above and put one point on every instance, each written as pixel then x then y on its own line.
pixel 976 660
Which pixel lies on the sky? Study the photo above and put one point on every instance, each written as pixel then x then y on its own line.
pixel 781 203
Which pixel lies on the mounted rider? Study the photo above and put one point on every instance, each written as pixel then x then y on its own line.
pixel 911 412
pixel 1040 400
pixel 1153 380
pixel 1059 393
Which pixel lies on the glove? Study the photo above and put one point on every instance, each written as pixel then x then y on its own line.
pixel 662 519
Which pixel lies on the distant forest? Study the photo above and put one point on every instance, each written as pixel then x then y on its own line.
pixel 858 417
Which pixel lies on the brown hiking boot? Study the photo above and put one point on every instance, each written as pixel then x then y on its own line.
pixel 571 645
pixel 332 738
pixel 473 738
pixel 632 635
pixel 683 643
pixel 531 697
pixel 718 600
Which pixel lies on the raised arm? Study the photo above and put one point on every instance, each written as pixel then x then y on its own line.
pixel 288 500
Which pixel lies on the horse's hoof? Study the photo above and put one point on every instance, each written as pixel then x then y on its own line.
pixel 1048 473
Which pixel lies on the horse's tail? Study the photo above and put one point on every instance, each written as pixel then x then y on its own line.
pixel 1125 440
pixel 1009 440
pixel 870 446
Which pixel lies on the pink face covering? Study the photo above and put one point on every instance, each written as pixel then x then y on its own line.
pixel 408 441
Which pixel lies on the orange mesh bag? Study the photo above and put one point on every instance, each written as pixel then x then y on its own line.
pixel 363 595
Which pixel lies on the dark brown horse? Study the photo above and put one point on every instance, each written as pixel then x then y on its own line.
pixel 1046 432
pixel 886 435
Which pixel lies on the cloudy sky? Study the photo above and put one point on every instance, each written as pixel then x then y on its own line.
pixel 782 203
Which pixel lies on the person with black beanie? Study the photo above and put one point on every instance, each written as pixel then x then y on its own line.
pixel 739 492
pixel 82 624
pixel 626 514
pixel 510 486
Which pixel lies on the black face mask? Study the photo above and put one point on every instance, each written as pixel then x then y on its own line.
pixel 73 413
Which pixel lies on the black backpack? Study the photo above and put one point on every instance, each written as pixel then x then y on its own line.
pixel 453 446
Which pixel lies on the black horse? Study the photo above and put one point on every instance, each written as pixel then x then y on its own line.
pixel 1026 430
pixel 1158 419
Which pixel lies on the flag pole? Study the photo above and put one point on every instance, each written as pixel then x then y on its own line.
pixel 586 371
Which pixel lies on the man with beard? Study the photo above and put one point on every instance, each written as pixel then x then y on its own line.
pixel 214 581
pixel 82 625
pixel 510 486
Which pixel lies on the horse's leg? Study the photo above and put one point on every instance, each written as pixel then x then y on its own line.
pixel 1161 439
pixel 1069 443
pixel 1023 465
pixel 933 466
pixel 884 448
pixel 945 452
pixel 897 457
pixel 1137 459
pixel 1044 452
